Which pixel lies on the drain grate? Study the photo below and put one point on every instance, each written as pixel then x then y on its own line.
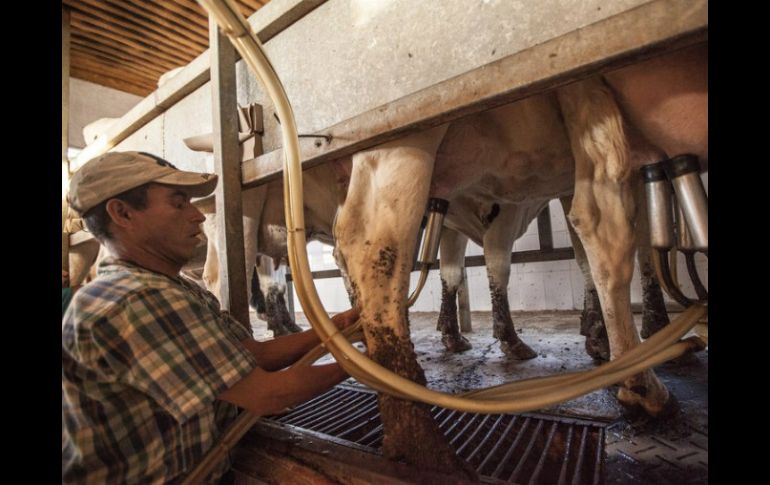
pixel 504 448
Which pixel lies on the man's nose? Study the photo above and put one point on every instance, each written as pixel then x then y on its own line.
pixel 198 216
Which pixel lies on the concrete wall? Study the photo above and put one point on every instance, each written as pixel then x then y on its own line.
pixel 349 56
pixel 90 102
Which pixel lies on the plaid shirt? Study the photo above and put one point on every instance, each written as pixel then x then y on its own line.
pixel 144 357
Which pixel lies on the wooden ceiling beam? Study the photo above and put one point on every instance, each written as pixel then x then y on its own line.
pixel 113 14
pixel 102 79
pixel 131 66
pixel 253 5
pixel 121 42
pixel 121 56
pixel 112 45
pixel 128 28
pixel 149 51
pixel 132 38
pixel 93 63
pixel 168 20
pixel 88 64
pixel 189 10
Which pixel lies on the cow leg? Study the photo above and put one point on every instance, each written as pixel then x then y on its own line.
pixel 591 319
pixel 272 284
pixel 375 231
pixel 498 241
pixel 211 266
pixel 603 213
pixel 452 260
pixel 257 299
pixel 654 314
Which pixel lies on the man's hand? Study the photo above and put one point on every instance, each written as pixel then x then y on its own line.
pixel 346 318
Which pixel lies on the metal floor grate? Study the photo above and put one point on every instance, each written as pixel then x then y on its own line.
pixel 504 448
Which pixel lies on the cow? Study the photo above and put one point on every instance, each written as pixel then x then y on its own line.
pixel 587 138
pixel 495 228
pixel 265 240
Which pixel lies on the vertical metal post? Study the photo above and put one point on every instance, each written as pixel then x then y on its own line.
pixel 65 105
pixel 227 163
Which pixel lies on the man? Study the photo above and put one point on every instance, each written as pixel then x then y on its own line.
pixel 151 367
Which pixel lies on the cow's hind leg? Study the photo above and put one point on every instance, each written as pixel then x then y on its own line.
pixel 603 212
pixel 273 286
pixel 376 231
pixel 452 261
pixel 591 319
pixel 498 241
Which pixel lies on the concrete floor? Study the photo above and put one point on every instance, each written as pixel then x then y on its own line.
pixel 638 450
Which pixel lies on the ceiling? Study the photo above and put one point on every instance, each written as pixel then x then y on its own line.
pixel 128 44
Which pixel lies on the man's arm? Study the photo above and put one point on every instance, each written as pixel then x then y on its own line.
pixel 283 351
pixel 263 393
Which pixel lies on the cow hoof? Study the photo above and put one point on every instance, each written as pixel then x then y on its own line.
pixel 518 350
pixel 684 360
pixel 598 348
pixel 455 343
pixel 278 330
pixel 292 327
pixel 636 407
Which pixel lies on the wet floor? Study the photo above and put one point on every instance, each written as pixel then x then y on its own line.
pixel 638 450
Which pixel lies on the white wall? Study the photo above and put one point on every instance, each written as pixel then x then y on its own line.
pixel 554 285
pixel 89 102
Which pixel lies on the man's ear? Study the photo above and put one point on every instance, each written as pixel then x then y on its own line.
pixel 119 212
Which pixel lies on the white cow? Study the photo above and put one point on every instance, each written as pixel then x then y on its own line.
pixel 575 140
pixel 495 228
pixel 265 236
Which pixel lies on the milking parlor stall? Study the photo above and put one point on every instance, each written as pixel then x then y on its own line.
pixel 513 193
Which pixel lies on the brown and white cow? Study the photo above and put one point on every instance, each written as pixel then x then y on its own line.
pixel 587 138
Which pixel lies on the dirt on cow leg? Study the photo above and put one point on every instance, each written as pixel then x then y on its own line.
pixel 592 327
pixel 447 322
pixel 278 318
pixel 411 434
pixel 503 329
pixel 654 314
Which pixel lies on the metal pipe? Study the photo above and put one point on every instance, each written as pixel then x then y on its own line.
pixel 683 171
pixel 431 236
pixel 437 209
pixel 683 237
pixel 659 215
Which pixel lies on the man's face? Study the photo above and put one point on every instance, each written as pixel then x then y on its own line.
pixel 169 227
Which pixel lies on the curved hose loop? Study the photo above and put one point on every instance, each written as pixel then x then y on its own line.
pixel 360 366
pixel 692 270
pixel 665 279
pixel 420 284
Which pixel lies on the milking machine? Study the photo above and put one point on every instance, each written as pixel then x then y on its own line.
pixel 514 397
pixel 431 236
pixel 678 222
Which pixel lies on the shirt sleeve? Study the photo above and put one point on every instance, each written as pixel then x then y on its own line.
pixel 175 349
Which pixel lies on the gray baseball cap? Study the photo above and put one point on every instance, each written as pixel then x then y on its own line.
pixel 113 173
